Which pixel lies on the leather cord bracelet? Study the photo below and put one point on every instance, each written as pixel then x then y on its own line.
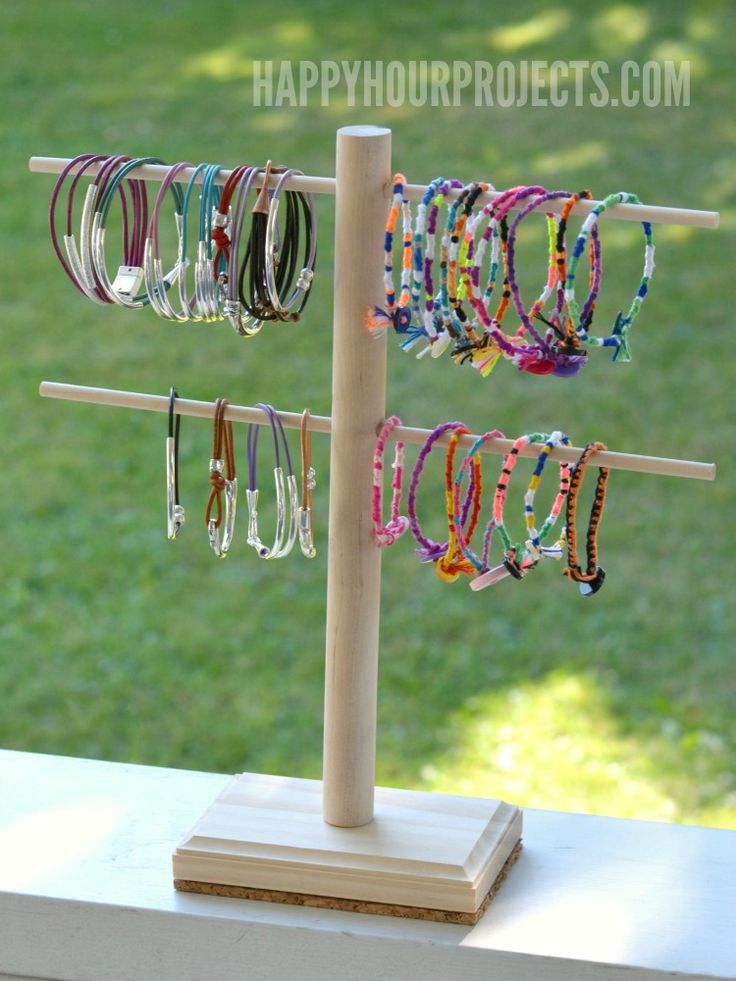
pixel 309 482
pixel 174 509
pixel 283 541
pixel 222 482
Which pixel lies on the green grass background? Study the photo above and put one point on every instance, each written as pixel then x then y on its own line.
pixel 117 644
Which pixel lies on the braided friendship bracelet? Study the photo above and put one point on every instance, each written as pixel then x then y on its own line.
pixel 618 338
pixel 430 551
pixel 463 538
pixel 591 580
pixel 387 534
pixel 396 314
pixel 449 565
pixel 222 479
pixel 519 559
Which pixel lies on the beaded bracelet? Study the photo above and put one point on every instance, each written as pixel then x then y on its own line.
pixel 430 551
pixel 396 314
pixel 309 482
pixel 280 548
pixel 222 479
pixel 387 534
pixel 174 509
pixel 592 579
pixel 618 339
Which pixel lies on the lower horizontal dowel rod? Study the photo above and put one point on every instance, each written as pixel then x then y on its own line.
pixel 661 466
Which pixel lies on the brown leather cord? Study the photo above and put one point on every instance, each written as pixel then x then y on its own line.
pixel 593 573
pixel 222 439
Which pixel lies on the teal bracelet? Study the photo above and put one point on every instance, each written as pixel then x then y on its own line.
pixel 618 338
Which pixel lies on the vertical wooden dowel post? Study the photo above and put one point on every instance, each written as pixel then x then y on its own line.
pixel 363 167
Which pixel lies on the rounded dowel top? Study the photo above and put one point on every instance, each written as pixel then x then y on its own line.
pixel 364 131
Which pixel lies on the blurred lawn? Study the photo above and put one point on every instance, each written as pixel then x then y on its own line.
pixel 117 644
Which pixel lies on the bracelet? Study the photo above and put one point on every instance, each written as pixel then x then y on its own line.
pixel 449 566
pixel 129 279
pixel 436 192
pixel 157 285
pixel 233 306
pixel 174 509
pixel 533 549
pixel 430 551
pixel 278 254
pixel 387 534
pixel 472 458
pixel 280 548
pixel 309 482
pixel 222 479
pixel 591 580
pixel 618 339
pixel 565 357
pixel 83 162
pixel 396 315
pixel 207 272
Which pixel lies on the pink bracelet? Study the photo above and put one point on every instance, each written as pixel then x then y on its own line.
pixel 387 534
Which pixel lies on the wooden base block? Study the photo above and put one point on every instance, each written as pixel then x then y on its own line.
pixel 425 856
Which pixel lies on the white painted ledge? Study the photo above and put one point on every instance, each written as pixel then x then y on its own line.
pixel 86 895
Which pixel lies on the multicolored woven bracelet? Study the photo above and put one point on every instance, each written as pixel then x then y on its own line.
pixel 592 578
pixel 387 534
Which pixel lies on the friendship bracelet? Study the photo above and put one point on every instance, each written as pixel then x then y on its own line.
pixel 222 479
pixel 386 535
pixel 396 314
pixel 618 339
pixel 449 566
pixel 562 357
pixel 430 551
pixel 592 579
pixel 309 482
pixel 174 509
pixel 463 540
pixel 280 548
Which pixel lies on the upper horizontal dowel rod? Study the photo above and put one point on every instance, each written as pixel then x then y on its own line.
pixel 414 192
pixel 323 424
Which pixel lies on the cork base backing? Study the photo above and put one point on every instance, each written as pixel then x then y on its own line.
pixel 352 905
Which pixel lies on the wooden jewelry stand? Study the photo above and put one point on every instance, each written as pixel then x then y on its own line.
pixel 342 842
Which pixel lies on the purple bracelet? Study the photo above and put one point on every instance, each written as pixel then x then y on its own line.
pixel 430 551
